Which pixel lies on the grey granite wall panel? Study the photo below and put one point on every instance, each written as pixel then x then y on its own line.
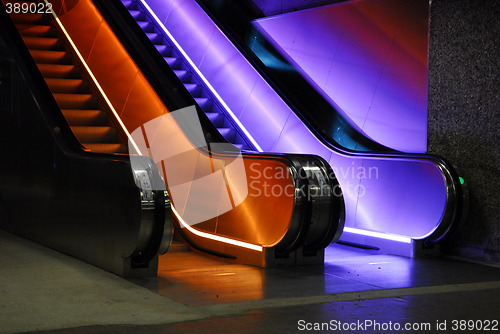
pixel 464 113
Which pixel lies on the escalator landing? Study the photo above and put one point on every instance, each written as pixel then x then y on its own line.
pixel 48 292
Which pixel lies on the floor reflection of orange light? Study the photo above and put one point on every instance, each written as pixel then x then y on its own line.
pixel 215 237
pixel 196 280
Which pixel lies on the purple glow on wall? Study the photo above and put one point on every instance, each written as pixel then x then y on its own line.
pixel 389 195
pixel 369 58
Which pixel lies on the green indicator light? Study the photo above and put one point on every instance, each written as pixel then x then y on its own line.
pixel 462 181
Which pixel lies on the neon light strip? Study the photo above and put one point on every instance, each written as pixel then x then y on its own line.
pixel 233 116
pixel 379 235
pixel 215 237
pixel 108 102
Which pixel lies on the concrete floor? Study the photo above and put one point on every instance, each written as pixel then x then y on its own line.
pixel 47 292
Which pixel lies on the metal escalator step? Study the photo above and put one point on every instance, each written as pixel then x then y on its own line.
pixel 29 18
pixel 81 117
pixel 59 71
pixel 204 103
pixel 146 26
pixel 183 75
pixel 137 14
pixel 164 50
pixel 129 4
pixel 67 86
pixel 228 133
pixel 106 148
pixel 173 62
pixel 216 118
pixel 76 101
pixel 193 89
pixel 36 30
pixel 96 134
pixel 154 37
pixel 43 43
pixel 51 57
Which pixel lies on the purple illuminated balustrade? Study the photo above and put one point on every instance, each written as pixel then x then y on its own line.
pixel 369 58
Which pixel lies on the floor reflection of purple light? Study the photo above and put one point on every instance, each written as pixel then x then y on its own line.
pixel 367 267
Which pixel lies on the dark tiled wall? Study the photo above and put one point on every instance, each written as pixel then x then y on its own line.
pixel 464 113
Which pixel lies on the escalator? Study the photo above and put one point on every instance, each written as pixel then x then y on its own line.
pixel 82 201
pixel 391 197
pixel 104 105
pixel 85 114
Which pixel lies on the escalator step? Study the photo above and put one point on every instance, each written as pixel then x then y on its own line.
pixel 59 71
pixel 129 4
pixel 43 43
pixel 72 86
pixel 216 118
pixel 51 57
pixel 164 50
pixel 154 37
pixel 29 18
pixel 137 14
pixel 193 89
pixel 106 148
pixel 174 62
pixel 146 26
pixel 36 30
pixel 96 134
pixel 204 103
pixel 228 133
pixel 183 75
pixel 76 101
pixel 79 117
